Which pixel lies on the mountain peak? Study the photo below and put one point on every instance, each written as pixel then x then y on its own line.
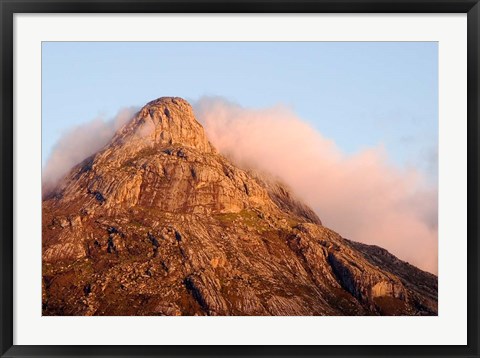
pixel 164 122
pixel 167 101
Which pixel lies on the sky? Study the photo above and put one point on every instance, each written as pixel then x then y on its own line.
pixel 358 93
pixel 365 112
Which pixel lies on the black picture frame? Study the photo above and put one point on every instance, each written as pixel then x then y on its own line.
pixel 9 7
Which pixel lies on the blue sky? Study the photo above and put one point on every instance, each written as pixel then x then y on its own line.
pixel 360 94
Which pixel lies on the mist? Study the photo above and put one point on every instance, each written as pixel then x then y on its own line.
pixel 79 143
pixel 362 196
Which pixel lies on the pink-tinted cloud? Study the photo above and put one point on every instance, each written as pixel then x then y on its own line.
pixel 79 143
pixel 360 196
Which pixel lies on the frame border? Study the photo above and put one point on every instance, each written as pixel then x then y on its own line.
pixel 9 7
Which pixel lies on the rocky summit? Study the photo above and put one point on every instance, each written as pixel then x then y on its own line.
pixel 159 223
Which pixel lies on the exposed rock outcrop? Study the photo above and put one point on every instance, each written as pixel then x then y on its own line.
pixel 159 223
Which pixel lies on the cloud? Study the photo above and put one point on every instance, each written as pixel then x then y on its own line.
pixel 79 143
pixel 360 196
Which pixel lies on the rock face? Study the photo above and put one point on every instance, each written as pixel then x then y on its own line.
pixel 158 223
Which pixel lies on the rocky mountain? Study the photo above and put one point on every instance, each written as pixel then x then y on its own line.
pixel 159 223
